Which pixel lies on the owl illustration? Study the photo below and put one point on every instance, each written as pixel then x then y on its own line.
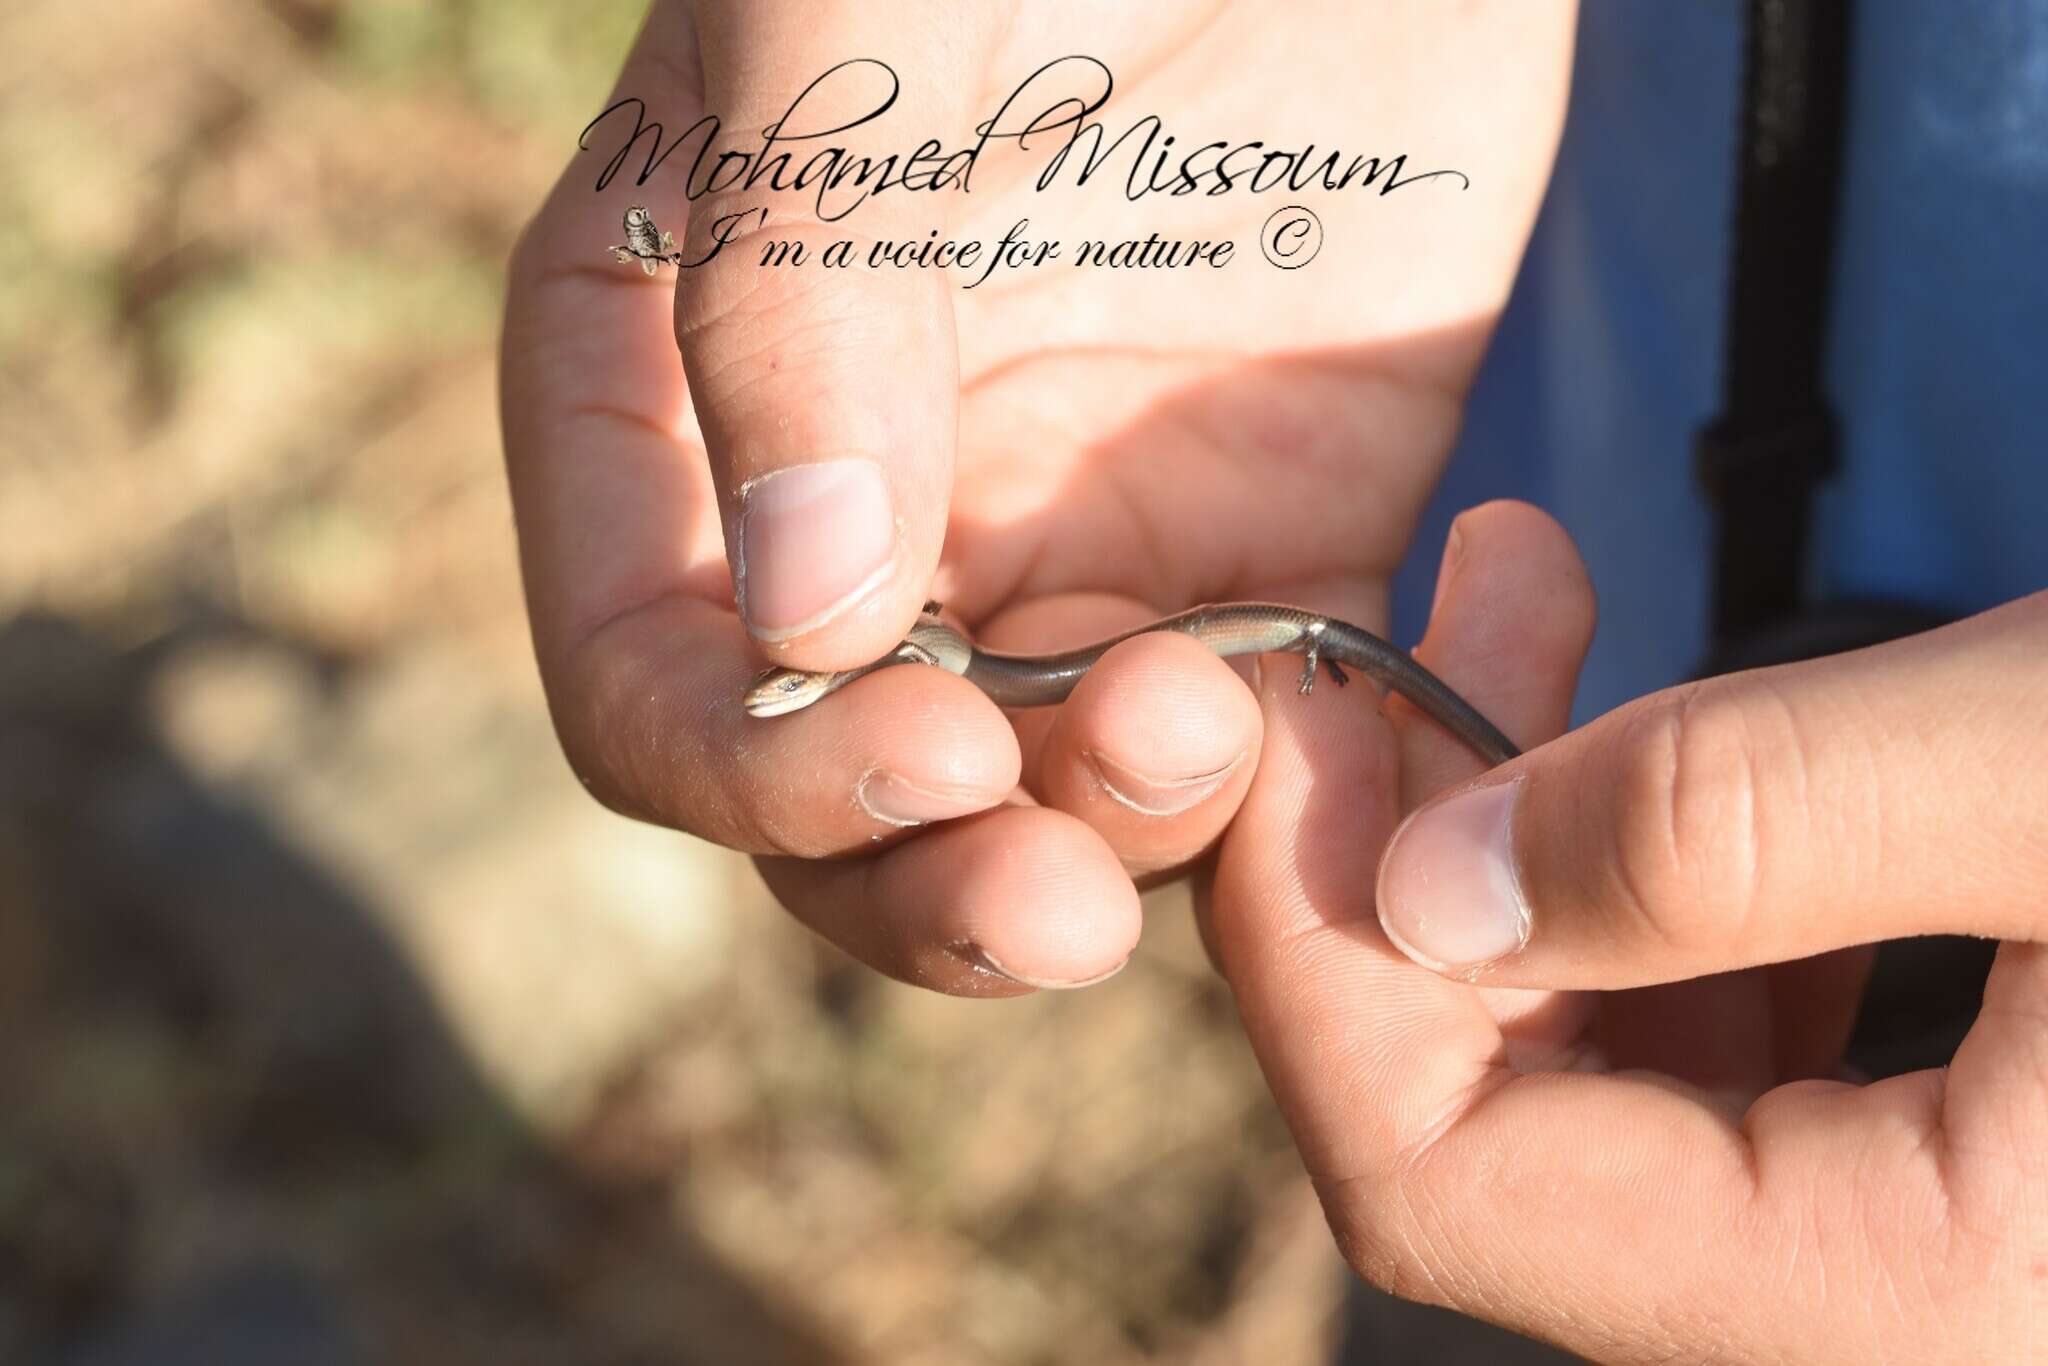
pixel 644 242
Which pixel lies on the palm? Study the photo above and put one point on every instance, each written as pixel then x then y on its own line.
pixel 1210 433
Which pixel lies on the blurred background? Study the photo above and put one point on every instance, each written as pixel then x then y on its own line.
pixel 336 1023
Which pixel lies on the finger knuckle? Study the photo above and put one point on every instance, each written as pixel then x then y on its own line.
pixel 1687 837
pixel 1382 1240
pixel 645 750
pixel 602 734
pixel 782 818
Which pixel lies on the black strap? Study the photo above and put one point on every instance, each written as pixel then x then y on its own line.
pixel 1774 440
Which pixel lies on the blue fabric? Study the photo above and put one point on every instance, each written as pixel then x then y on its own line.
pixel 1608 357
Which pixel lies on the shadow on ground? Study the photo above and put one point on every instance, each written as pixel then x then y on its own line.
pixel 234 1127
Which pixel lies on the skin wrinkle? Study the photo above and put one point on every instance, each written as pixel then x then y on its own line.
pixel 1979 1249
pixel 1832 790
pixel 715 277
pixel 1886 1273
pixel 767 811
pixel 1733 867
pixel 1151 547
pixel 776 356
pixel 1461 1262
pixel 1390 392
pixel 1027 572
pixel 580 633
pixel 1769 791
pixel 860 800
pixel 612 412
pixel 1214 776
pixel 1623 862
pixel 1809 1255
pixel 779 355
pixel 1714 764
pixel 1881 814
pixel 1029 582
pixel 1385 1244
pixel 596 750
pixel 528 346
pixel 1011 366
pixel 2024 850
pixel 1491 1077
pixel 1980 863
pixel 582 275
pixel 1221 575
pixel 868 892
pixel 1671 778
pixel 1470 1260
pixel 525 350
pixel 637 735
pixel 1344 378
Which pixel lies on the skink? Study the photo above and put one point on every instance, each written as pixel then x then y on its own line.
pixel 1235 628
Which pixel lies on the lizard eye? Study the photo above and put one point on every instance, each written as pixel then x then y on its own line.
pixel 792 683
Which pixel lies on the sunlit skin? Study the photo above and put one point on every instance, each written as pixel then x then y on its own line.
pixel 1072 452
pixel 1664 1172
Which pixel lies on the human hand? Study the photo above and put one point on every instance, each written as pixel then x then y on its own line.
pixel 1612 1122
pixel 1088 448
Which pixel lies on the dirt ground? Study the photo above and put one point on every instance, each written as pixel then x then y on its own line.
pixel 332 1013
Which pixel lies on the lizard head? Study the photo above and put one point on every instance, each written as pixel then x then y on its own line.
pixel 780 691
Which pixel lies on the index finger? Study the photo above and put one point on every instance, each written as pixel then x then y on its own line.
pixel 622 550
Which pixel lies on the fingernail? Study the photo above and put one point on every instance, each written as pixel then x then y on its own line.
pixel 1448 896
pixel 978 957
pixel 1454 550
pixel 895 800
pixel 814 540
pixel 1149 796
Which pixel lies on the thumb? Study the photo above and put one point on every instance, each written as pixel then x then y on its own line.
pixel 1750 819
pixel 827 393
